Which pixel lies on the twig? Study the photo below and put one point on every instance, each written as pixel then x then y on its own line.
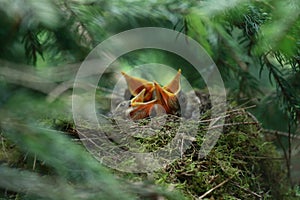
pixel 214 188
pixel 34 162
pixel 232 124
pixel 275 132
pixel 246 190
pixel 242 108
pixel 228 112
pixel 289 152
pixel 213 119
pixel 259 157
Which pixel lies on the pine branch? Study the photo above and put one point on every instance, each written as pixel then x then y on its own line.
pixel 32 45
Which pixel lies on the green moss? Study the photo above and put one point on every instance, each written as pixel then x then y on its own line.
pixel 240 166
pixel 248 165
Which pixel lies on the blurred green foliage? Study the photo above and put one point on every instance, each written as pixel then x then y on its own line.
pixel 255 45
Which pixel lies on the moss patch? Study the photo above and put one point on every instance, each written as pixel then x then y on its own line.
pixel 240 166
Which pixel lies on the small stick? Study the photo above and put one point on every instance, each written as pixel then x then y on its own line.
pixel 246 190
pixel 275 132
pixel 260 157
pixel 232 124
pixel 34 162
pixel 214 188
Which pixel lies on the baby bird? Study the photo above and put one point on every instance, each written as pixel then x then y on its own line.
pixel 150 97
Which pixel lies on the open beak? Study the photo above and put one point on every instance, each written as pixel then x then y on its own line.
pixel 174 86
pixel 167 99
pixel 138 98
pixel 136 85
pixel 144 100
pixel 141 110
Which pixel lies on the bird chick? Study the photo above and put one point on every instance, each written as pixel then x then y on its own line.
pixel 150 97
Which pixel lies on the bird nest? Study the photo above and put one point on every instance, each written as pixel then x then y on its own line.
pixel 241 165
pixel 194 153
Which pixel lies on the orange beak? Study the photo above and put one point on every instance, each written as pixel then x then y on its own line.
pixel 174 86
pixel 167 99
pixel 141 110
pixel 144 100
pixel 138 98
pixel 136 85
